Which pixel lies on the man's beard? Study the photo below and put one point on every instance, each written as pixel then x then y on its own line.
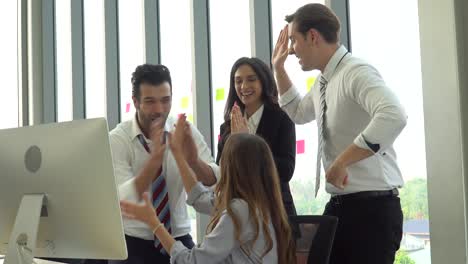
pixel 148 120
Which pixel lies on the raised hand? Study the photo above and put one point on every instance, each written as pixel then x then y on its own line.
pixel 157 137
pixel 190 148
pixel 281 51
pixel 141 212
pixel 238 122
pixel 177 136
pixel 146 214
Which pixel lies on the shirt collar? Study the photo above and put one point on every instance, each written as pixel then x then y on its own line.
pixel 255 118
pixel 333 62
pixel 136 130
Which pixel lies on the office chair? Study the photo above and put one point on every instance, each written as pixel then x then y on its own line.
pixel 314 236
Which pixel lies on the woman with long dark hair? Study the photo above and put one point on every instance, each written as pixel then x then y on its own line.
pixel 252 107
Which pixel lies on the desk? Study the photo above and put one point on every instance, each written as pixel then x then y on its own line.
pixel 38 261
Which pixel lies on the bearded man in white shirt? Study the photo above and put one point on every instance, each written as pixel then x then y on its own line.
pixel 143 163
pixel 358 118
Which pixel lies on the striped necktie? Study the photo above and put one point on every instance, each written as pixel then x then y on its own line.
pixel 160 198
pixel 321 128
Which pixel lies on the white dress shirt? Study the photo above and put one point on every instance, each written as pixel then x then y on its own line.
pixel 129 158
pixel 220 245
pixel 254 120
pixel 360 108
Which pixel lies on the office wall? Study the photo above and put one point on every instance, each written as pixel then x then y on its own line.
pixel 443 32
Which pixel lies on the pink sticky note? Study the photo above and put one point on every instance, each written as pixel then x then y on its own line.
pixel 300 146
pixel 127 108
pixel 219 137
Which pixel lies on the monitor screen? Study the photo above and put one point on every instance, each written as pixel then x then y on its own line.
pixel 71 164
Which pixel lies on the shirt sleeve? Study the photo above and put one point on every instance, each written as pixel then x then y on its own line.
pixel 299 108
pixel 122 170
pixel 204 152
pixel 388 117
pixel 217 245
pixel 201 199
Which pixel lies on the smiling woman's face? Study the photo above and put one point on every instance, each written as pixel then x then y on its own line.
pixel 248 86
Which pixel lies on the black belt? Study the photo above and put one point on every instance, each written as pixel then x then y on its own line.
pixel 364 195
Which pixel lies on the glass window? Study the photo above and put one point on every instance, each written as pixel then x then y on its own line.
pixel 176 54
pixel 64 67
pixel 399 63
pixel 132 54
pixel 9 65
pixel 95 58
pixel 230 30
pixel 303 181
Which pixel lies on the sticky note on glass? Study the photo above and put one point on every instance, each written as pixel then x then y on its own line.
pixel 300 146
pixel 310 83
pixel 190 118
pixel 127 108
pixel 219 94
pixel 184 102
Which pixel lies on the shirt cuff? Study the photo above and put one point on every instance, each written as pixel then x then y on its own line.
pixel 361 142
pixel 216 171
pixel 177 247
pixel 288 96
pixel 128 192
pixel 197 190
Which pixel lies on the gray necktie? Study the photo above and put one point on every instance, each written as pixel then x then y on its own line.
pixel 321 128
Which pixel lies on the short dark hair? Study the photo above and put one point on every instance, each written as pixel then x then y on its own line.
pixel 149 74
pixel 264 74
pixel 318 17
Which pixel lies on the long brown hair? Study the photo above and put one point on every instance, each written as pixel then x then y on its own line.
pixel 264 75
pixel 248 172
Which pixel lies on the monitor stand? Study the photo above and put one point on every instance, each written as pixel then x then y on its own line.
pixel 22 243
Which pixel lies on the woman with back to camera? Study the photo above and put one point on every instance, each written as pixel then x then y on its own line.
pixel 252 107
pixel 248 222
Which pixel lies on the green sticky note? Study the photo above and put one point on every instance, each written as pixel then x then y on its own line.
pixel 190 118
pixel 219 94
pixel 184 102
pixel 310 83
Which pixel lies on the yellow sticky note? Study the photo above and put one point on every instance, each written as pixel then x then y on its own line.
pixel 190 118
pixel 219 94
pixel 310 83
pixel 184 102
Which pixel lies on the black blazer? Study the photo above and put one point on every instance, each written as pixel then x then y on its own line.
pixel 279 132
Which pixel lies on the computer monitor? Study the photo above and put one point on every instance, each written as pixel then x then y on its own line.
pixel 57 182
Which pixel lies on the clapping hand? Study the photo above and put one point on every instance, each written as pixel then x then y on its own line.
pixel 157 137
pixel 177 136
pixel 238 122
pixel 142 212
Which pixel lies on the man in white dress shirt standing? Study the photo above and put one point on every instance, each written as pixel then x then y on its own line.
pixel 143 162
pixel 358 118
